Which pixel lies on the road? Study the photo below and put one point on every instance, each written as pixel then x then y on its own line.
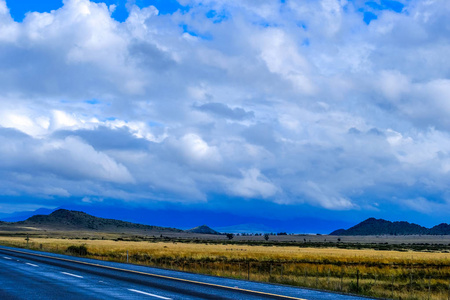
pixel 26 274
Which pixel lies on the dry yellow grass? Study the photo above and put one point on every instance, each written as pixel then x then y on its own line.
pixel 194 250
pixel 400 275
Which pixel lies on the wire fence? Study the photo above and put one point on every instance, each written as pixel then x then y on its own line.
pixel 386 281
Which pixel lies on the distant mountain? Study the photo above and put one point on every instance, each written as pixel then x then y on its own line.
pixel 202 229
pixel 245 228
pixel 23 215
pixel 69 219
pixel 374 226
pixel 236 222
pixel 441 229
pixel 339 232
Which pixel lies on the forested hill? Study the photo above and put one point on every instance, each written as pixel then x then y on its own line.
pixel 203 229
pixel 63 218
pixel 374 226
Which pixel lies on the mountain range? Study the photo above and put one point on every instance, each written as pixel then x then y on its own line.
pixel 71 220
pixel 374 226
pixel 187 218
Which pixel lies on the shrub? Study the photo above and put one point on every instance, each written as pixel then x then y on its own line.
pixel 77 250
pixel 230 236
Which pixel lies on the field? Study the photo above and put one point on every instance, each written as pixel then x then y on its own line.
pixel 387 274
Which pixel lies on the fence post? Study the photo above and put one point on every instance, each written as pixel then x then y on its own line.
pixel 357 280
pixel 248 270
pixel 328 279
pixel 127 256
pixel 410 282
pixel 392 287
pixel 317 277
pixel 448 294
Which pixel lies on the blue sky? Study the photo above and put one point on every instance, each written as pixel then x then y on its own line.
pixel 287 109
pixel 19 8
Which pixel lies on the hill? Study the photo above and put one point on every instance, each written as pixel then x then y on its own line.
pixel 441 229
pixel 374 226
pixel 69 219
pixel 202 229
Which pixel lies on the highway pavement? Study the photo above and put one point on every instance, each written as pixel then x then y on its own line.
pixel 26 274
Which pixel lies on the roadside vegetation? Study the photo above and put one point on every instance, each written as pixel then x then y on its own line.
pixel 404 274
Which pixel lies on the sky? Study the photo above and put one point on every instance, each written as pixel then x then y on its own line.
pixel 337 109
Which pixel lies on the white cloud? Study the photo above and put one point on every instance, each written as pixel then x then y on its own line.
pixel 8 29
pixel 73 157
pixel 393 85
pixel 197 149
pixel 299 102
pixel 252 185
pixel 327 199
pixel 283 58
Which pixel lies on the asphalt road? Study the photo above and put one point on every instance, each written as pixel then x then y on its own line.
pixel 26 274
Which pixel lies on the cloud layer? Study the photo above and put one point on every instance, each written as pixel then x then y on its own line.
pixel 337 104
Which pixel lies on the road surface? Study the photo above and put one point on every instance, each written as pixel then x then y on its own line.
pixel 26 274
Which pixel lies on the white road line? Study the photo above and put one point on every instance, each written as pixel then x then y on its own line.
pixel 148 294
pixel 156 275
pixel 70 274
pixel 33 265
pixel 7 257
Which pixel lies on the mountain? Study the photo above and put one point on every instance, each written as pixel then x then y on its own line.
pixel 441 229
pixel 338 232
pixel 70 219
pixel 245 228
pixel 189 217
pixel 202 229
pixel 23 215
pixel 374 226
pixel 185 217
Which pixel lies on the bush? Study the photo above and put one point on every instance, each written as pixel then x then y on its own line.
pixel 230 236
pixel 77 250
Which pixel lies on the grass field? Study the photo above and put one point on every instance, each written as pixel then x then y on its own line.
pixel 387 274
